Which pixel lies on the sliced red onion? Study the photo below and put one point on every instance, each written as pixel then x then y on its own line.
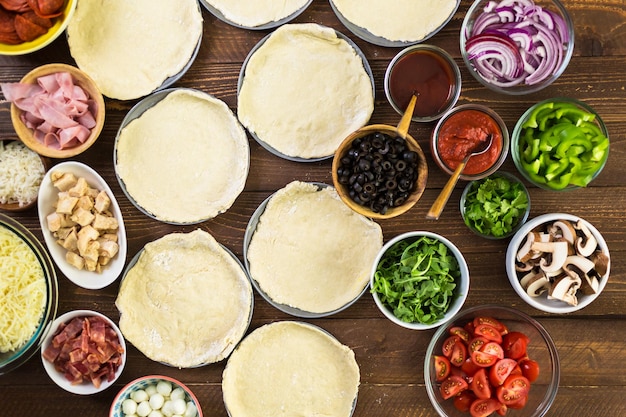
pixel 517 42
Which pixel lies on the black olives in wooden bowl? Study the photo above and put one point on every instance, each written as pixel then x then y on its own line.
pixel 380 171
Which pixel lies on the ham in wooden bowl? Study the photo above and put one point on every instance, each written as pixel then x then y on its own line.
pixel 56 110
pixel 84 353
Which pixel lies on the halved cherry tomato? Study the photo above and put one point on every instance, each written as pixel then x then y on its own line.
pixel 483 408
pixel 446 349
pixel 459 353
pixel 514 389
pixel 501 327
pixel 502 410
pixel 476 343
pixel 494 349
pixel 461 332
pixel 488 332
pixel 480 384
pixel 483 359
pixel 501 371
pixel 452 386
pixel 442 368
pixel 519 404
pixel 530 369
pixel 514 345
pixel 464 400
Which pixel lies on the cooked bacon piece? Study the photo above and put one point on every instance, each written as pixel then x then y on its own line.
pixel 85 349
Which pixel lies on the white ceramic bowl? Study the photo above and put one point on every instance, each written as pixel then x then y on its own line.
pixel 542 302
pixel 48 196
pixel 221 15
pixel 85 388
pixel 141 384
pixel 459 293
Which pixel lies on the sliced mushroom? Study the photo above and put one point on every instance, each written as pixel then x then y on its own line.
pixel 586 244
pixel 524 253
pixel 581 267
pixel 563 229
pixel 601 263
pixel 557 251
pixel 564 289
pixel 535 283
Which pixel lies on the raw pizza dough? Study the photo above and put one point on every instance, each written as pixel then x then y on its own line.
pixel 304 90
pixel 397 20
pixel 186 302
pixel 130 48
pixel 310 251
pixel 290 369
pixel 185 159
pixel 258 12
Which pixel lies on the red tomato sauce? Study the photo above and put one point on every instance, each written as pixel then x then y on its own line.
pixel 461 132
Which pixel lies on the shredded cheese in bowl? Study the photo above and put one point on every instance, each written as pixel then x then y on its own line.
pixel 22 291
pixel 21 172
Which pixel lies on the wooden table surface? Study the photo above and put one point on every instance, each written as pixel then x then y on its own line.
pixel 590 342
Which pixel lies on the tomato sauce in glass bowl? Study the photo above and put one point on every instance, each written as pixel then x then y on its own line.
pixel 460 130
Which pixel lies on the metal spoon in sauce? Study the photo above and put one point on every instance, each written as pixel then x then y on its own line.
pixel 444 195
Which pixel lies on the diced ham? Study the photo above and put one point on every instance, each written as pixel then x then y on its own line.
pixel 60 112
pixel 86 349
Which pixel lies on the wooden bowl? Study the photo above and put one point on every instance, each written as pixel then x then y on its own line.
pixel 422 168
pixel 84 81
pixel 15 207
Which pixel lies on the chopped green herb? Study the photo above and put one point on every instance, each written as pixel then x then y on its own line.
pixel 495 205
pixel 415 279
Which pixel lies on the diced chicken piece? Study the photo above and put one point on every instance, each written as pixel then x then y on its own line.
pixel 63 232
pixel 63 181
pixel 91 252
pixel 80 188
pixel 91 265
pixel 66 221
pixel 103 202
pixel 66 205
pixel 108 248
pixel 82 216
pixel 85 202
pixel 54 221
pixel 102 222
pixel 86 235
pixel 75 260
pixel 110 236
pixel 70 242
pixel 104 260
pixel 93 193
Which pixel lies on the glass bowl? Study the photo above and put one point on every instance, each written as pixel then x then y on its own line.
pixel 428 71
pixel 13 358
pixel 492 46
pixel 470 117
pixel 487 197
pixel 534 291
pixel 567 158
pixel 540 348
pixel 461 279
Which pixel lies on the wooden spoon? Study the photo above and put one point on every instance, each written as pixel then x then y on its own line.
pixel 403 126
pixel 444 195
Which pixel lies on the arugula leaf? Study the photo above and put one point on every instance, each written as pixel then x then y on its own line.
pixel 495 205
pixel 416 278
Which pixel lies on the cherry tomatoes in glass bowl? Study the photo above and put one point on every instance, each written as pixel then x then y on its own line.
pixel 516 369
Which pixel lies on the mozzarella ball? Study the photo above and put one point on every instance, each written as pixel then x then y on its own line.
pixel 143 409
pixel 150 389
pixel 179 406
pixel 155 413
pixel 156 401
pixel 129 406
pixel 177 393
pixel 164 388
pixel 139 396
pixel 168 408
pixel 191 410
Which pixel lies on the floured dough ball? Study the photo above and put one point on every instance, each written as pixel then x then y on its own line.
pixel 412 20
pixel 310 251
pixel 184 160
pixel 186 302
pixel 130 48
pixel 256 13
pixel 304 90
pixel 290 369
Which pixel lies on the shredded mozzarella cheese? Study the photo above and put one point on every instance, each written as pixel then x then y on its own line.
pixel 21 172
pixel 22 291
